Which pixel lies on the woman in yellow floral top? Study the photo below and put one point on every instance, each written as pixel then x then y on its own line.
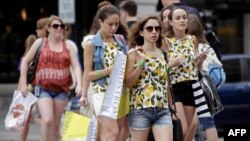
pixel 146 76
pixel 99 57
pixel 183 76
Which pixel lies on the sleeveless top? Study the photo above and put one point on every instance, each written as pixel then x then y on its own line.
pixel 53 69
pixel 150 90
pixel 188 70
pixel 110 51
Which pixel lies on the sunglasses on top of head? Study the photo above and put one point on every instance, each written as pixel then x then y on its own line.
pixel 56 26
pixel 151 28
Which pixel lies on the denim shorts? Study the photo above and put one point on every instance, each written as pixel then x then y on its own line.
pixel 207 122
pixel 141 119
pixel 44 93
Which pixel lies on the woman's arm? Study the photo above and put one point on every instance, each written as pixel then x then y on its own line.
pixel 24 65
pixel 76 67
pixel 89 62
pixel 132 73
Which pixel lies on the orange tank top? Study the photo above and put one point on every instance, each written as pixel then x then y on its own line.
pixel 53 69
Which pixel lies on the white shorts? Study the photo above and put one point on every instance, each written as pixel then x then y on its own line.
pixel 97 102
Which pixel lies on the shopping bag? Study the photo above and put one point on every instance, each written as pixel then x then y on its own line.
pixel 92 129
pixel 75 127
pixel 116 91
pixel 19 111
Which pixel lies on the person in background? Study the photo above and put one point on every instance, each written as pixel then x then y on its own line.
pixel 189 9
pixel 53 77
pixel 108 17
pixel 34 115
pixel 185 76
pixel 73 97
pixel 28 43
pixel 195 28
pixel 41 27
pixel 128 10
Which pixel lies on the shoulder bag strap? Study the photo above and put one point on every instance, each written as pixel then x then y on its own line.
pixel 170 87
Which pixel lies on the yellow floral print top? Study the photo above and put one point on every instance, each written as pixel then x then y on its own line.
pixel 150 90
pixel 110 51
pixel 188 69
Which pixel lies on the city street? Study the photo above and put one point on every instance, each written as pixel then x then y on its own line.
pixel 6 91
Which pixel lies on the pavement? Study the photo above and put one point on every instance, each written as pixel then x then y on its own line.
pixel 6 91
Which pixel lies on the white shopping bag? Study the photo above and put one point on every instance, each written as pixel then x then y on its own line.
pixel 116 90
pixel 19 111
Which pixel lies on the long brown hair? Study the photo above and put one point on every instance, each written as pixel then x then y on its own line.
pixel 195 28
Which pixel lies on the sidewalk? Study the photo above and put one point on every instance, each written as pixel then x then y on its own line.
pixel 6 91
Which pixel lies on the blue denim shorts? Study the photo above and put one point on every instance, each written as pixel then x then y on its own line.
pixel 43 93
pixel 141 119
pixel 207 122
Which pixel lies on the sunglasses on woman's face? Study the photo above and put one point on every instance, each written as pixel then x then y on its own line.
pixel 56 26
pixel 151 28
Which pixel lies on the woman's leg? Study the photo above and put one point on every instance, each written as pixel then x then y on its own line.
pixel 59 106
pixel 181 114
pixel 139 135
pixel 123 129
pixel 25 131
pixel 45 105
pixel 110 127
pixel 191 119
pixel 163 133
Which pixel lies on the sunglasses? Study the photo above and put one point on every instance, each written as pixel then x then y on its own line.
pixel 56 26
pixel 151 28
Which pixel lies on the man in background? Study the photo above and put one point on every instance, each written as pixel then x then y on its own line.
pixel 128 10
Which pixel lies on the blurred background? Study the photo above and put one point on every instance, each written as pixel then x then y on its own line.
pixel 229 19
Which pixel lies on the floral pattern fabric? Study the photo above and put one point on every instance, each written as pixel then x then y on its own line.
pixel 110 51
pixel 188 69
pixel 150 90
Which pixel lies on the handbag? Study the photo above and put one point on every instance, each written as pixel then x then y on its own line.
pixel 211 94
pixel 177 127
pixel 32 65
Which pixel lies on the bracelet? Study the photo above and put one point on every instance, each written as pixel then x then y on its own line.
pixel 168 69
pixel 141 64
pixel 99 74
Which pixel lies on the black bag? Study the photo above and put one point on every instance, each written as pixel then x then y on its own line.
pixel 211 95
pixel 214 42
pixel 32 65
pixel 177 127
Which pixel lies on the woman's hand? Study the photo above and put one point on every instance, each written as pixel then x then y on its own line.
pixel 201 57
pixel 139 50
pixel 175 61
pixel 78 90
pixel 23 89
pixel 83 100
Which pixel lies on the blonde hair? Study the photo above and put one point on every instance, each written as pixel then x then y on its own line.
pixel 41 23
pixel 29 42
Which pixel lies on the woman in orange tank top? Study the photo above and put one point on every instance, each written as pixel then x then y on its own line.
pixel 53 76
